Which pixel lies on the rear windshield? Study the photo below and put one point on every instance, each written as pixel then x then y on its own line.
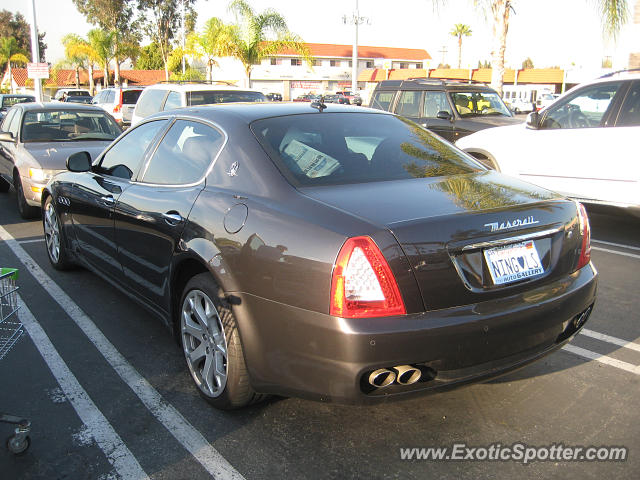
pixel 9 101
pixel 130 97
pixel 342 148
pixel 78 93
pixel 223 96
pixel 68 126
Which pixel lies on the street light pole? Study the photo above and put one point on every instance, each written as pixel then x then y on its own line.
pixel 183 38
pixel 35 50
pixel 356 20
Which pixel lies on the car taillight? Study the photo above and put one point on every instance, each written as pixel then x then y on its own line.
pixel 362 284
pixel 585 231
pixel 119 105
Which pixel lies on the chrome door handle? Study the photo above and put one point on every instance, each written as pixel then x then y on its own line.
pixel 107 200
pixel 172 218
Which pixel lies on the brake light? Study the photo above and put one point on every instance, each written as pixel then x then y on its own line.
pixel 119 105
pixel 362 284
pixel 585 231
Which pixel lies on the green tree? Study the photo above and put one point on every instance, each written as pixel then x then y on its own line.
pixel 460 30
pixel 217 39
pixel 103 44
pixel 527 63
pixel 150 58
pixel 114 17
pixel 162 21
pixel 15 25
pixel 260 35
pixel 78 51
pixel 10 53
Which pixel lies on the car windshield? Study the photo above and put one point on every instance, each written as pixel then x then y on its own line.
pixel 9 101
pixel 469 104
pixel 68 126
pixel 342 148
pixel 223 96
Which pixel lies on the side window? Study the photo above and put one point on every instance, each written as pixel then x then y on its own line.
pixel 630 111
pixel 123 158
pixel 435 102
pixel 14 126
pixel 382 100
pixel 173 101
pixel 409 104
pixel 111 96
pixel 96 98
pixel 7 120
pixel 584 109
pixel 150 102
pixel 184 154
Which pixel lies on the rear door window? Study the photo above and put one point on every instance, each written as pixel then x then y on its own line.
pixel 409 103
pixel 630 111
pixel 150 102
pixel 382 100
pixel 172 101
pixel 435 102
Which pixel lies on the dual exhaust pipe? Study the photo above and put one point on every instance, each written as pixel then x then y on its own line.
pixel 401 374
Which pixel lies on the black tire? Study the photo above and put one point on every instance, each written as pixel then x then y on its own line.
pixel 54 237
pixel 236 392
pixel 18 448
pixel 25 210
pixel 4 185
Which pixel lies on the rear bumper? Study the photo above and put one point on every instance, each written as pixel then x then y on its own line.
pixel 294 352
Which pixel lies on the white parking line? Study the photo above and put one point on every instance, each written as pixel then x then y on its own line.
pixel 35 240
pixel 117 453
pixel 615 244
pixel 609 339
pixel 582 352
pixel 632 255
pixel 190 438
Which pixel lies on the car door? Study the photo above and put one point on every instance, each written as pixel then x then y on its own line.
pixel 94 197
pixel 151 214
pixel 9 150
pixel 576 149
pixel 437 114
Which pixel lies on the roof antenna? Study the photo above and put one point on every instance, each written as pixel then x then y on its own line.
pixel 319 104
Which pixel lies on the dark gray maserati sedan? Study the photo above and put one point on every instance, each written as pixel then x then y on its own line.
pixel 324 251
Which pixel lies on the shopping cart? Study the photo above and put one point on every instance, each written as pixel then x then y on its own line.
pixel 10 332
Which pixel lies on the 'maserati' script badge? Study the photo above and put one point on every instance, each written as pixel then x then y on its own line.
pixel 513 262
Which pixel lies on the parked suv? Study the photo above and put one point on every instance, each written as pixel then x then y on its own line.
pixel 69 92
pixel 119 102
pixel 450 109
pixel 167 96
pixel 582 145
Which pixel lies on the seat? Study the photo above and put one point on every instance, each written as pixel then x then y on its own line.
pixel 462 104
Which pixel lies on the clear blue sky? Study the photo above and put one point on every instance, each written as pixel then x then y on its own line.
pixel 551 32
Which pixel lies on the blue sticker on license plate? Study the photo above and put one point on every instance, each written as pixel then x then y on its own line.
pixel 513 262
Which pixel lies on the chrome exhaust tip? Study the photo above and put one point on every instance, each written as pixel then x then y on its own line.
pixel 383 377
pixel 407 375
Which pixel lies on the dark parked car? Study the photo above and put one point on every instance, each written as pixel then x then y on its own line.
pixel 274 97
pixel 7 100
pixel 35 140
pixel 336 98
pixel 449 108
pixel 324 251
pixel 78 99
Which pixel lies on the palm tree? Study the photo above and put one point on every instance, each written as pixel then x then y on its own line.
pixel 216 40
pixel 11 52
pixel 79 51
pixel 251 43
pixel 614 15
pixel 460 30
pixel 103 44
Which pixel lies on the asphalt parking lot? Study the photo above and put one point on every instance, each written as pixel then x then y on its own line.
pixel 108 395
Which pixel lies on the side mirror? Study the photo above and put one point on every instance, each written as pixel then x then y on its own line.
pixel 79 162
pixel 7 137
pixel 533 120
pixel 444 115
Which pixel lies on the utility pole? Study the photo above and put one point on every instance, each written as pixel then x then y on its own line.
pixel 35 49
pixel 356 20
pixel 443 51
pixel 183 38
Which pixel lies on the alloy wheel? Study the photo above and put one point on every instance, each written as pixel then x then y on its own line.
pixel 52 233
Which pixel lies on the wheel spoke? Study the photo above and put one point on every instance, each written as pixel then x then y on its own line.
pixel 191 328
pixel 221 370
pixel 207 374
pixel 196 354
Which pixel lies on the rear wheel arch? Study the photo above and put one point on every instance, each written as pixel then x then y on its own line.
pixel 485 158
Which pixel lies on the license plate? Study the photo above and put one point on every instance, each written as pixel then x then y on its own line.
pixel 513 262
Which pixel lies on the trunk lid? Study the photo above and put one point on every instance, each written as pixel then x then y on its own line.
pixel 447 226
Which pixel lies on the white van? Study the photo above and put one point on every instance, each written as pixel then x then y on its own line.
pixel 167 96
